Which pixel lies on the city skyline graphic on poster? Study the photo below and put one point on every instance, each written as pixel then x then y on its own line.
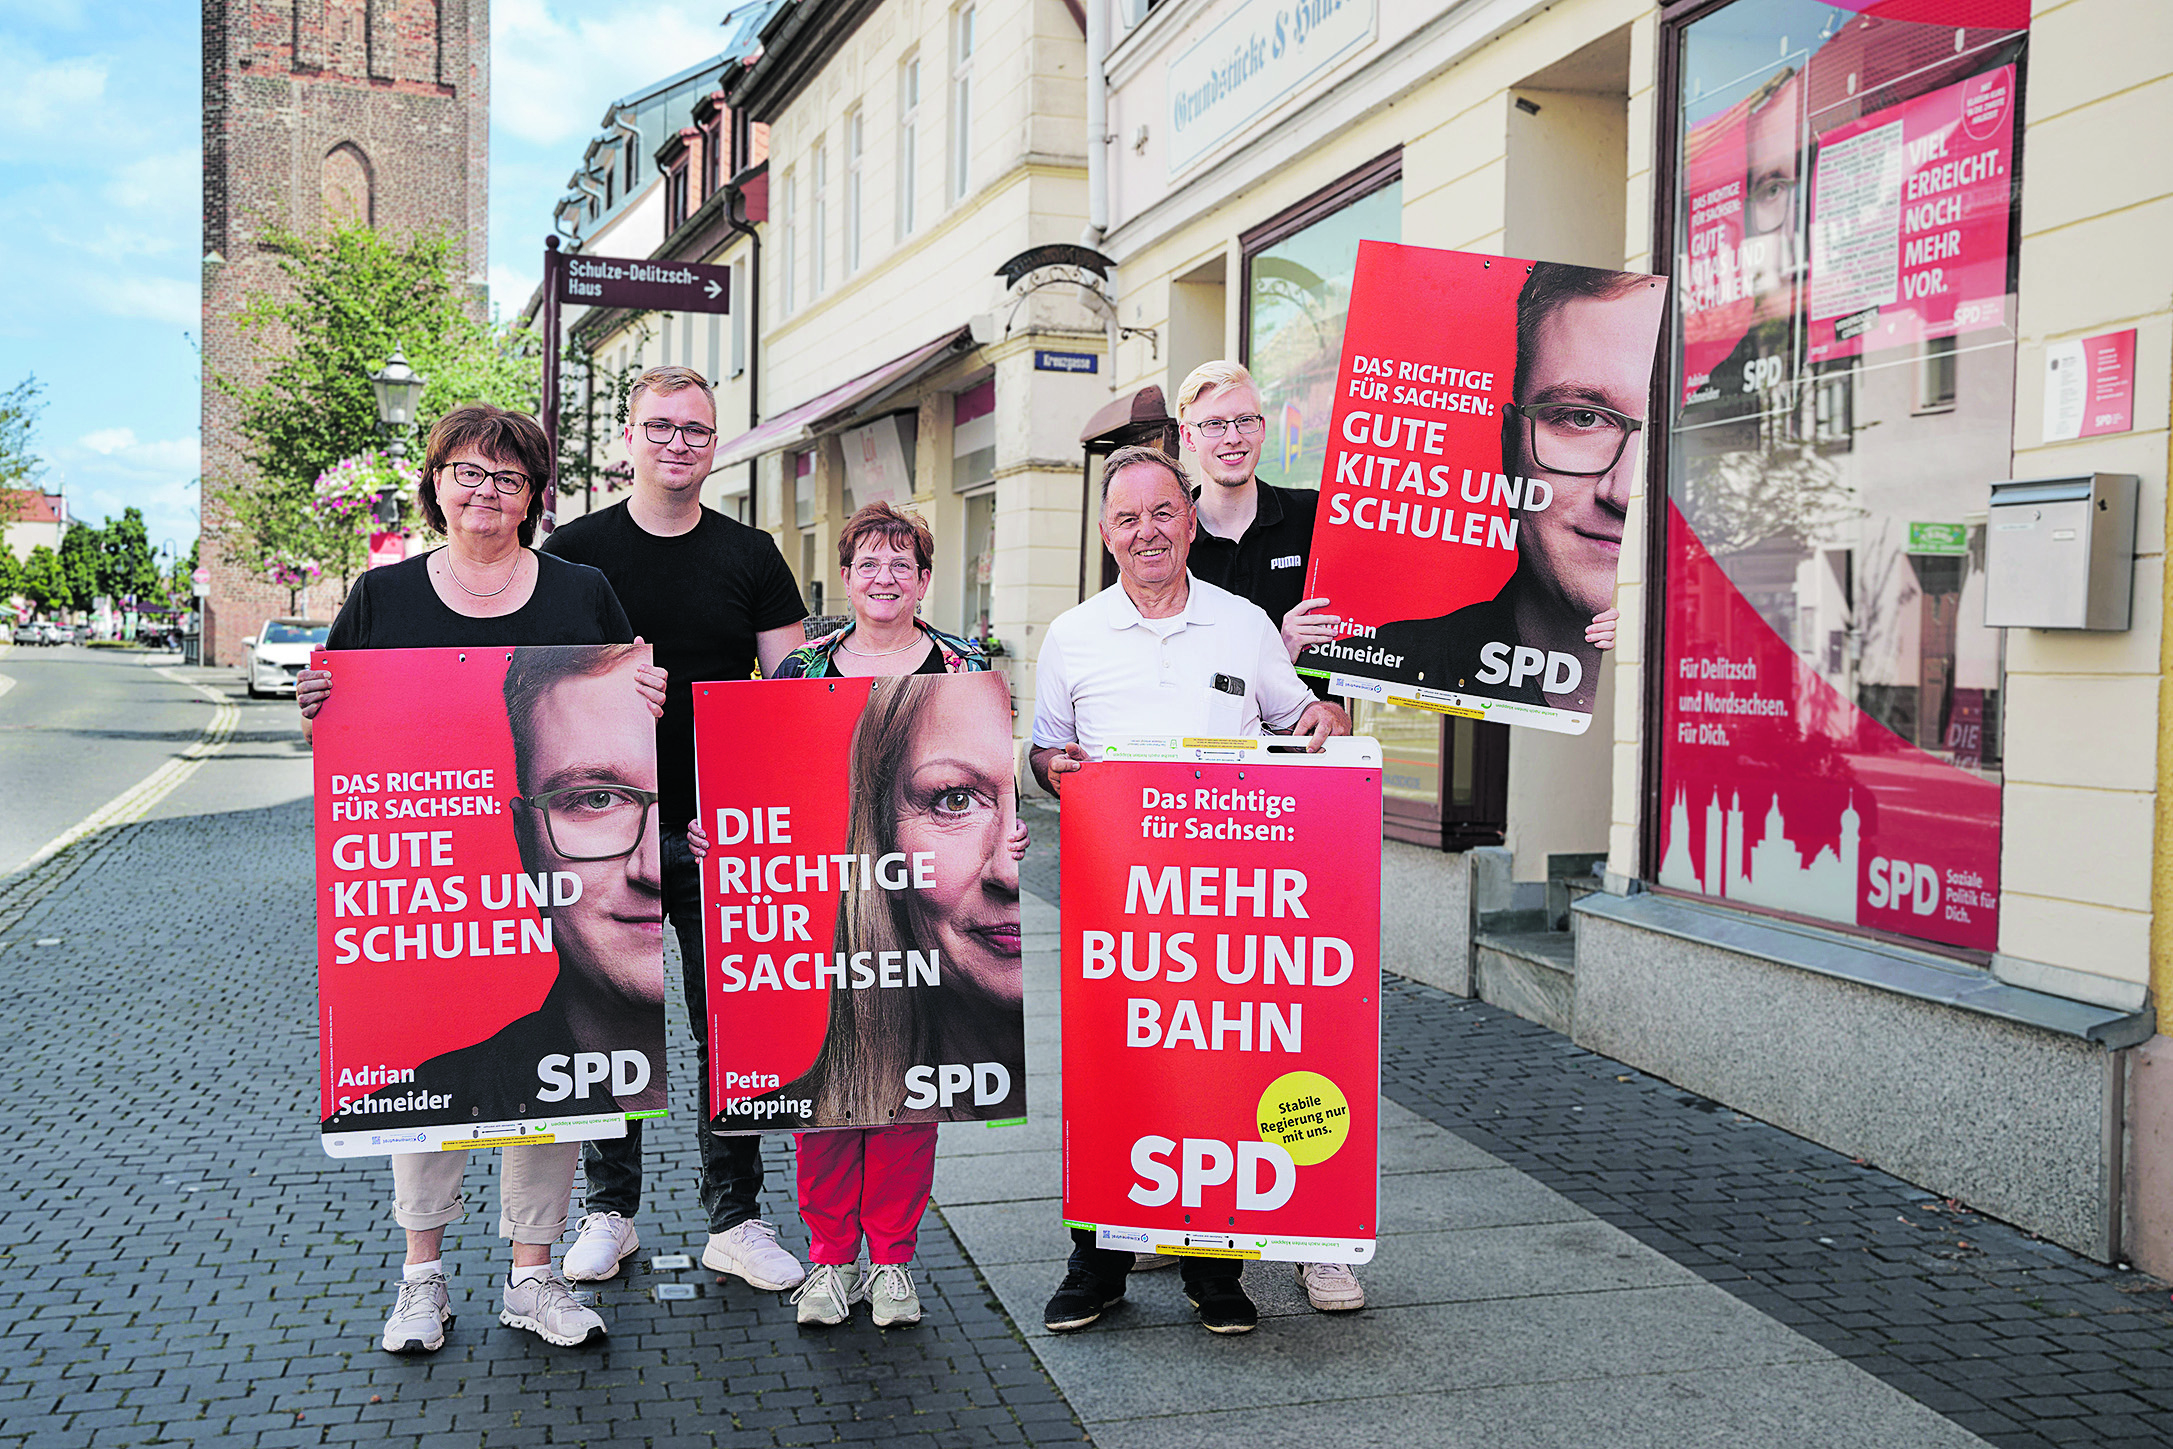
pixel 1771 872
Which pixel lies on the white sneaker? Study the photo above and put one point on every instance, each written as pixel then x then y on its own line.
pixel 1331 1287
pixel 606 1241
pixel 547 1308
pixel 420 1316
pixel 890 1295
pixel 750 1251
pixel 828 1295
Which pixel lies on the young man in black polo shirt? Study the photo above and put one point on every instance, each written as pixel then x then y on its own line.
pixel 1255 540
pixel 714 599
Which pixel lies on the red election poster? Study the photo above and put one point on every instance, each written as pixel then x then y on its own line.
pixel 1782 793
pixel 860 901
pixel 1222 1001
pixel 1742 237
pixel 1479 464
pixel 489 905
pixel 1909 219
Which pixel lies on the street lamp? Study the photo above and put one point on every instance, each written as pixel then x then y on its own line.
pixel 399 390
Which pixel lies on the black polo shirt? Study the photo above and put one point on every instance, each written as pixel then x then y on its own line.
pixel 1266 564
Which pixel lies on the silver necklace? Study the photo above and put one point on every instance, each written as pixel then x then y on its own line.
pixel 474 594
pixel 880 653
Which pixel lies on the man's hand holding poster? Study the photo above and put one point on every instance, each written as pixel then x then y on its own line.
pixel 1485 435
pixel 1221 1001
pixel 489 906
pixel 861 901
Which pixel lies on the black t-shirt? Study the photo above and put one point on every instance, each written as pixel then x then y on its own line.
pixel 699 599
pixel 396 607
pixel 1267 563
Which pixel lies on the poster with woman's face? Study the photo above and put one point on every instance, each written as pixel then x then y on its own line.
pixel 860 902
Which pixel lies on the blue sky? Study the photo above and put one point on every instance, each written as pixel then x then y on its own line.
pixel 100 184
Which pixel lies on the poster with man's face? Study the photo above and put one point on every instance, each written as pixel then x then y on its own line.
pixel 1488 424
pixel 860 902
pixel 489 899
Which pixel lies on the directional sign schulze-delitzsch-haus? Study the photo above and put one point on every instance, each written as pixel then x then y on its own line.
pixel 656 286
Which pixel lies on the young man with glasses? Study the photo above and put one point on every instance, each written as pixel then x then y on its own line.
pixel 1584 367
pixel 715 599
pixel 1255 539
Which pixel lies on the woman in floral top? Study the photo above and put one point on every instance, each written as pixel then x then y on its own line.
pixel 888 559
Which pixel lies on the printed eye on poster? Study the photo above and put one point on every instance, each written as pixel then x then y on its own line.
pixel 489 903
pixel 1221 999
pixel 860 902
pixel 1830 700
pixel 1477 480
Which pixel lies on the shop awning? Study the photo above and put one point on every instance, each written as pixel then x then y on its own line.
pixel 1125 419
pixel 845 401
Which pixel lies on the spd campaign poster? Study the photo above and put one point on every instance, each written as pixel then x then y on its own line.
pixel 860 902
pixel 1222 1000
pixel 489 903
pixel 1487 426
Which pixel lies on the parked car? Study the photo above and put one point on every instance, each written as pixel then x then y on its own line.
pixel 58 634
pixel 280 652
pixel 29 634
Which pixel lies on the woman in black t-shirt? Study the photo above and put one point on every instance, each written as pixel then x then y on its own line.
pixel 484 473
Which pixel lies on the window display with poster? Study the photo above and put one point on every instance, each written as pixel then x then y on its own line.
pixel 1827 711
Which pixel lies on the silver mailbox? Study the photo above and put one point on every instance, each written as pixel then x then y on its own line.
pixel 2059 553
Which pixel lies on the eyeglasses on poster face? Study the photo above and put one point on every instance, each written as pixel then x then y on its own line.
pixel 593 822
pixel 1577 439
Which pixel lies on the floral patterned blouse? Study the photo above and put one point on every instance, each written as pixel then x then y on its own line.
pixel 812 660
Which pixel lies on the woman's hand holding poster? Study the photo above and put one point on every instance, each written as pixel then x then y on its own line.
pixel 490 905
pixel 1486 431
pixel 1222 1002
pixel 860 902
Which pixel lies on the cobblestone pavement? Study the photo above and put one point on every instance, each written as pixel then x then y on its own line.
pixel 187 1266
pixel 2016 1339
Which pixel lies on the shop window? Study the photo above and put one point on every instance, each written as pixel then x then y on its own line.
pixel 980 557
pixel 1824 720
pixel 803 489
pixel 1298 268
pixel 973 437
pixel 1444 780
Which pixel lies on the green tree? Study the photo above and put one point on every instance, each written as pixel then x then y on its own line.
pixel 127 568
pixel 42 580
pixel 19 466
pixel 82 565
pixel 10 581
pixel 180 585
pixel 352 296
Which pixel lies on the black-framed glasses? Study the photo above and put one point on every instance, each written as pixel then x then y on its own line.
pixel 593 822
pixel 1574 439
pixel 472 477
pixel 1248 425
pixel 660 430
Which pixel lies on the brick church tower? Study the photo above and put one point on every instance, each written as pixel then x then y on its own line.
pixel 313 110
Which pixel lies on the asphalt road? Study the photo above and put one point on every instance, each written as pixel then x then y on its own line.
pixel 80 726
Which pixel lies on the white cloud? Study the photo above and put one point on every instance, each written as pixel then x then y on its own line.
pixel 552 74
pixel 111 469
pixel 510 288
pixel 40 97
pixel 109 440
pixel 150 299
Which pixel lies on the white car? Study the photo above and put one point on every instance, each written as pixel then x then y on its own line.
pixel 281 652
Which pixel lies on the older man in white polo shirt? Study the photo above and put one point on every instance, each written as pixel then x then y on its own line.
pixel 1163 653
pixel 1160 652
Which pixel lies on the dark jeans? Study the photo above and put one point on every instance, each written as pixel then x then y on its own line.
pixel 731 1166
pixel 1111 1264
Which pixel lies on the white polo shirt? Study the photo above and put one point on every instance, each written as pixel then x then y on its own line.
pixel 1107 674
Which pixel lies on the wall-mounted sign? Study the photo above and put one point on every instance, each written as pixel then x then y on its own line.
pixel 1047 361
pixel 1251 62
pixel 2090 386
pixel 1939 538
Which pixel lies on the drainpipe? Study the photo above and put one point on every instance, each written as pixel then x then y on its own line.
pixel 734 200
pixel 1097 109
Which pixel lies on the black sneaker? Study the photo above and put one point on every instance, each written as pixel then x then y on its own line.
pixel 1081 1299
pixel 1223 1306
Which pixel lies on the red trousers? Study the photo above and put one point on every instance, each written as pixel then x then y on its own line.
pixel 865 1180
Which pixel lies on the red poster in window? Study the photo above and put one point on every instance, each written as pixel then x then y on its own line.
pixel 1486 429
pixel 489 907
pixel 1910 209
pixel 1742 239
pixel 1221 1004
pixel 1782 793
pixel 860 902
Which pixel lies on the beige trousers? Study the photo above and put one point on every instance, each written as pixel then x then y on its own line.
pixel 535 1186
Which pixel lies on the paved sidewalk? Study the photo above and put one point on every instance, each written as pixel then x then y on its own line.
pixel 1500 1314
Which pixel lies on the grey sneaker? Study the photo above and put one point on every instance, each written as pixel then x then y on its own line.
pixel 829 1293
pixel 547 1308
pixel 606 1241
pixel 420 1316
pixel 890 1295
pixel 750 1251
